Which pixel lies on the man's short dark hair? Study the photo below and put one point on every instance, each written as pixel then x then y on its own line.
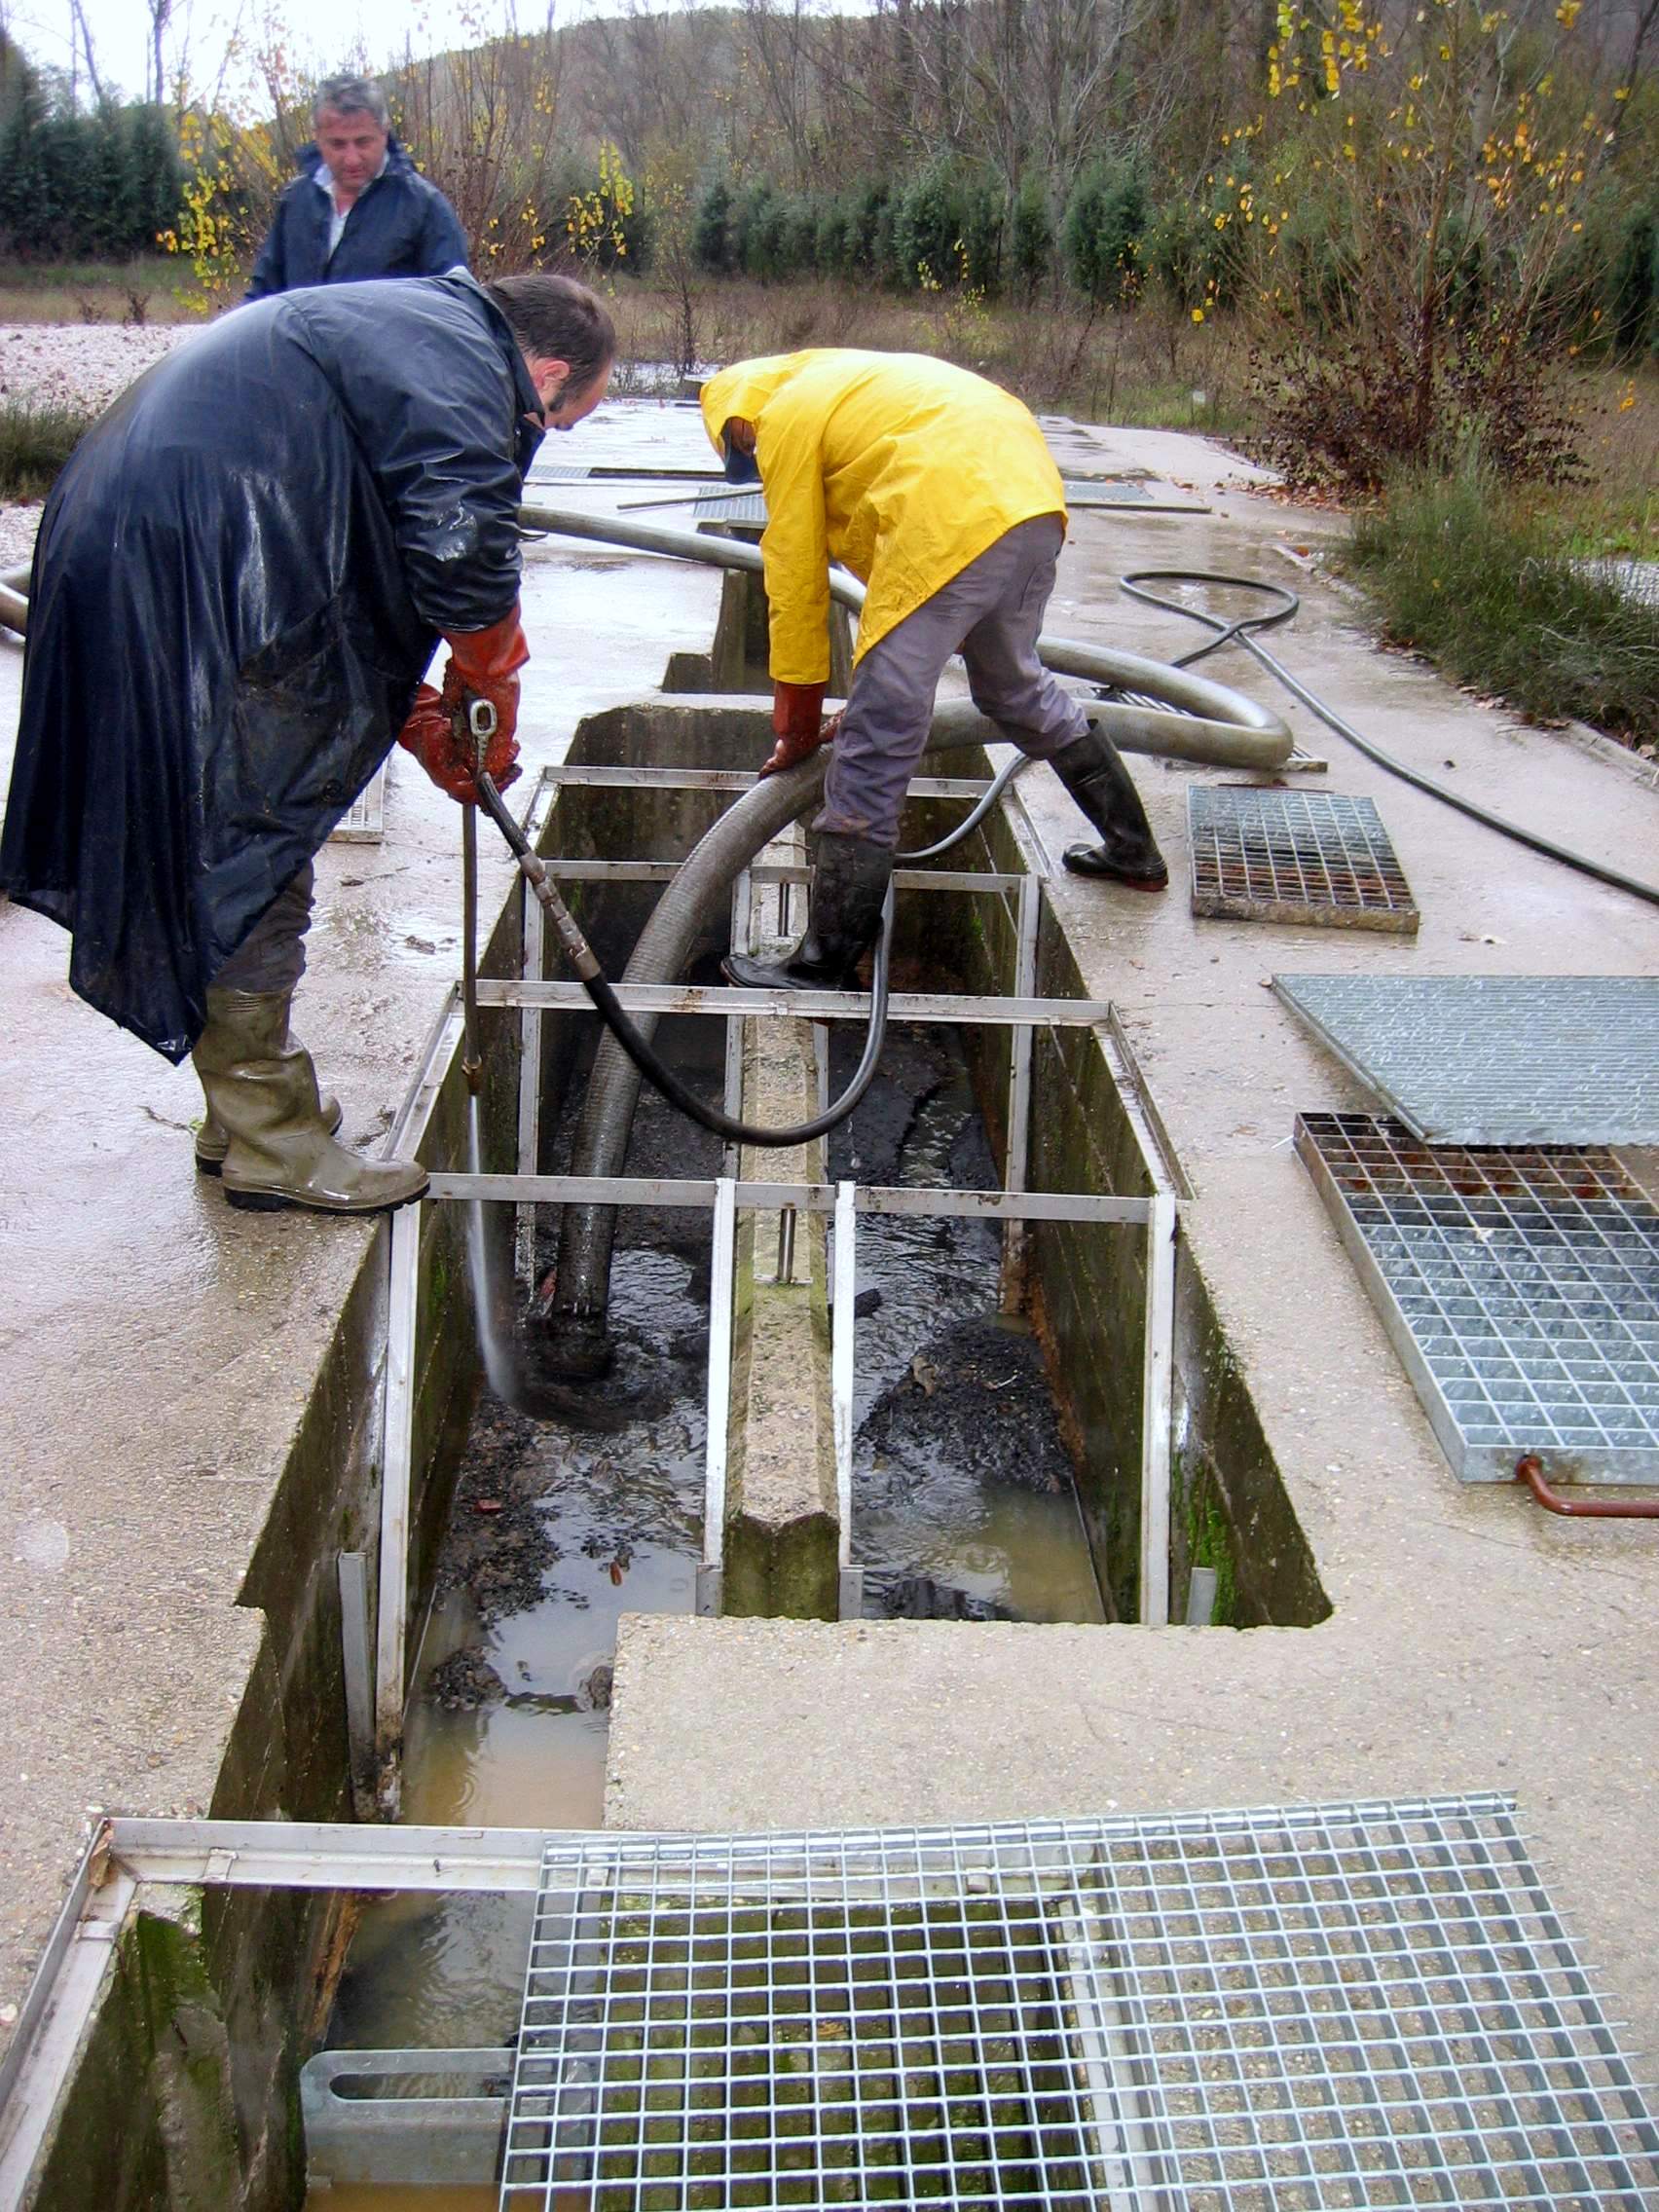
pixel 351 96
pixel 558 319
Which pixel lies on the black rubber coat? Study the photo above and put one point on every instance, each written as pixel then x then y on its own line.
pixel 400 225
pixel 238 581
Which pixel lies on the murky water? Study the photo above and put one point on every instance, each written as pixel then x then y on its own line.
pixel 559 1530
pixel 959 1478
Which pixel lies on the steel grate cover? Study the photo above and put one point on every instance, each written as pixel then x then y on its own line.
pixel 1520 1288
pixel 1496 1059
pixel 749 508
pixel 1278 855
pixel 1306 2007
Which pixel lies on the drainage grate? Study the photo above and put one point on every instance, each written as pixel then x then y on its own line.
pixel 749 508
pixel 1276 856
pixel 364 821
pixel 746 508
pixel 1319 2007
pixel 1496 1059
pixel 1520 1289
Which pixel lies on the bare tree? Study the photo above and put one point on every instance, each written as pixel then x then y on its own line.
pixel 155 80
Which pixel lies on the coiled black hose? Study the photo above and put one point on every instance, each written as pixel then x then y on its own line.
pixel 1239 631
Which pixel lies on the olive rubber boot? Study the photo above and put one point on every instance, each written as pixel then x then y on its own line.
pixel 212 1141
pixel 1097 778
pixel 261 1088
pixel 849 884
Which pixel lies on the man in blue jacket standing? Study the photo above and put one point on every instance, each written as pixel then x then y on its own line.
pixel 360 208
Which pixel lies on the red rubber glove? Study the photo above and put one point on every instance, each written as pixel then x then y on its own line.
pixel 430 734
pixel 798 711
pixel 483 664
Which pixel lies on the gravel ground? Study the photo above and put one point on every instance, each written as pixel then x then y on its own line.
pixel 68 365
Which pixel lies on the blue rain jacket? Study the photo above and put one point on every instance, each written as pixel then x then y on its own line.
pixel 240 578
pixel 401 226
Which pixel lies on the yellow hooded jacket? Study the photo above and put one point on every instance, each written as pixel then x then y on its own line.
pixel 901 467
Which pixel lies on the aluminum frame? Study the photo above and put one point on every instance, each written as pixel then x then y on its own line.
pixel 532 996
pixel 1293 2008
pixel 1362 2004
pixel 1519 1287
pixel 363 822
pixel 1496 1059
pixel 747 509
pixel 439 2132
pixel 724 1000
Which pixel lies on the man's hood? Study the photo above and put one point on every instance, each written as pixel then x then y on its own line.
pixel 744 389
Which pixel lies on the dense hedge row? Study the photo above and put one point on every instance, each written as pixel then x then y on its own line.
pixel 948 226
pixel 78 187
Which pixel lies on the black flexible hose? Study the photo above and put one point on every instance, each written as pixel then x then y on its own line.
pixel 1229 632
pixel 642 1052
pixel 989 797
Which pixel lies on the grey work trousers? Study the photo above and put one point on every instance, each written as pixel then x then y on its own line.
pixel 992 614
pixel 272 957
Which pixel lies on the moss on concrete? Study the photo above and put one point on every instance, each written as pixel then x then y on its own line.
pixel 1202 1536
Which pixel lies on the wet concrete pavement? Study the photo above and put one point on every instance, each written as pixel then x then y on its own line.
pixel 1475 1643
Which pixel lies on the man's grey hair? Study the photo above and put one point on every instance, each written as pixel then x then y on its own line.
pixel 351 96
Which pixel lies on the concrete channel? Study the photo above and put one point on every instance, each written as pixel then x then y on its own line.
pixel 1405 1632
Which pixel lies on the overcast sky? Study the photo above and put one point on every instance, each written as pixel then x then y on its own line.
pixel 320 34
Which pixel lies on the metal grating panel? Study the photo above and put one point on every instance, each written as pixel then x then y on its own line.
pixel 1118 492
pixel 746 507
pixel 1520 1289
pixel 1278 855
pixel 749 507
pixel 1496 1059
pixel 364 821
pixel 1317 2007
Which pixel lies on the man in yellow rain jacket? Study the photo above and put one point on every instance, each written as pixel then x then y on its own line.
pixel 936 490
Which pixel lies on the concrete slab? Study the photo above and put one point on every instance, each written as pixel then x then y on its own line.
pixel 158 1350
pixel 1474 1643
pixel 783 1527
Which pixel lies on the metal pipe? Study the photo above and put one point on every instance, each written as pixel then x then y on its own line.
pixel 1529 1470
pixel 471 1054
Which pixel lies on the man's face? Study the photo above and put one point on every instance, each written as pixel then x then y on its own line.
pixel 559 413
pixel 353 146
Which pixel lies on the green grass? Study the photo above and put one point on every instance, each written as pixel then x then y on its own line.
pixel 1491 591
pixel 35 441
pixel 131 293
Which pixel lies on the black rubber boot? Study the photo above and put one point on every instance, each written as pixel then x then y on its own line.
pixel 849 881
pixel 1096 777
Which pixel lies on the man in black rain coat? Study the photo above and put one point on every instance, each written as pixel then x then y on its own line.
pixel 360 206
pixel 240 579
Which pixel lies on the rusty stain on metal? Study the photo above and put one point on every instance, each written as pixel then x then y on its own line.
pixel 1313 858
pixel 1529 1470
